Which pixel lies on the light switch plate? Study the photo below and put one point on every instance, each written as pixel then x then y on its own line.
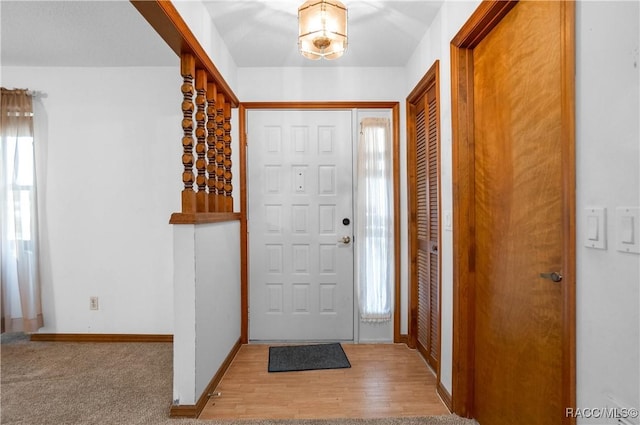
pixel 628 229
pixel 448 220
pixel 595 222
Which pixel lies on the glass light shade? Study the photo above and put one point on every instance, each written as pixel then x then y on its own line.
pixel 322 29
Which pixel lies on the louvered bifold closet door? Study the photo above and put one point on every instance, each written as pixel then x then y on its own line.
pixel 434 223
pixel 427 227
pixel 422 229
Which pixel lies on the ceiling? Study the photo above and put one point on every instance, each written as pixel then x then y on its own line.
pixel 264 33
pixel 79 33
pixel 258 33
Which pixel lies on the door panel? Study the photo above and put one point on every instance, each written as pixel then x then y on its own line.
pixel 300 190
pixel 427 226
pixel 423 164
pixel 518 215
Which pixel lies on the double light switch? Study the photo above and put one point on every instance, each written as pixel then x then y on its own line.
pixel 627 226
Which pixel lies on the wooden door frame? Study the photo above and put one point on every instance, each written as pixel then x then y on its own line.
pixel 480 24
pixel 431 77
pixel 244 249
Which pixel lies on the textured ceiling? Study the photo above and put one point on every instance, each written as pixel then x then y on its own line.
pixel 79 33
pixel 264 33
pixel 258 33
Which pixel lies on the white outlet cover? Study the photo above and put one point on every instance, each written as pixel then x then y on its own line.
pixel 93 303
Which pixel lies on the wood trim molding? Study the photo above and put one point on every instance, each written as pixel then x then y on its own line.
pixel 412 304
pixel 463 218
pixel 569 205
pixel 427 79
pixel 320 105
pixel 395 112
pixel 165 19
pixel 439 184
pixel 403 339
pixel 77 337
pixel 194 410
pixel 202 218
pixel 244 239
pixel 485 18
pixel 444 396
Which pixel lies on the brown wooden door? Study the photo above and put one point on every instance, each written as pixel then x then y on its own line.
pixel 518 210
pixel 424 171
pixel 520 228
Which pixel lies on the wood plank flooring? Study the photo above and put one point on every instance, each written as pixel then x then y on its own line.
pixel 385 380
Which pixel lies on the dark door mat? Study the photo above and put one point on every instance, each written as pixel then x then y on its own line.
pixel 289 358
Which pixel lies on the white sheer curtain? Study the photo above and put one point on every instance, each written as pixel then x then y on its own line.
pixel 20 289
pixel 374 224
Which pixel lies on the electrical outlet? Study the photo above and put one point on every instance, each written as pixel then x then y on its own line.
pixel 93 303
pixel 620 413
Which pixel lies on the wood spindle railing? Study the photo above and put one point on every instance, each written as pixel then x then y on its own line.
pixel 188 70
pixel 220 198
pixel 207 191
pixel 207 175
pixel 212 92
pixel 202 204
pixel 228 187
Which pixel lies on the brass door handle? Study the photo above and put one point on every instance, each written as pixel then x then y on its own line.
pixel 345 240
pixel 554 276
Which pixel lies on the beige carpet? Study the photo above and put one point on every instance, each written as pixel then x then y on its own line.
pixel 111 383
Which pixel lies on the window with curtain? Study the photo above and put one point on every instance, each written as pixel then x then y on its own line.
pixel 20 286
pixel 374 226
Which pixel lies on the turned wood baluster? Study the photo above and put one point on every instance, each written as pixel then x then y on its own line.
pixel 202 199
pixel 187 70
pixel 228 188
pixel 220 203
pixel 212 90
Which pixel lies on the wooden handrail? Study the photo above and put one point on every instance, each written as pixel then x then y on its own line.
pixel 165 19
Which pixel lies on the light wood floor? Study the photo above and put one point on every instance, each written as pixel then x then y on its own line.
pixel 385 380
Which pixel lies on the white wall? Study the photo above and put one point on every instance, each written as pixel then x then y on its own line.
pixel 109 185
pixel 320 84
pixel 434 46
pixel 608 175
pixel 199 21
pixel 206 304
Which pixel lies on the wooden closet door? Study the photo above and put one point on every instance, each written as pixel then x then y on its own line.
pixel 425 220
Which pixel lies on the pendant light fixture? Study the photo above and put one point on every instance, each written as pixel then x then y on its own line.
pixel 322 29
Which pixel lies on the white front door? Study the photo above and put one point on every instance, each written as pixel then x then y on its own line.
pixel 299 182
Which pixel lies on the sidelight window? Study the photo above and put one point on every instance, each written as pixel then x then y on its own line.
pixel 374 229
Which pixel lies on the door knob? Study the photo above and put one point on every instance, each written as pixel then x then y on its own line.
pixel 554 276
pixel 345 240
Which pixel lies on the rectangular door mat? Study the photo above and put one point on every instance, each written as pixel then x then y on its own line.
pixel 290 358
